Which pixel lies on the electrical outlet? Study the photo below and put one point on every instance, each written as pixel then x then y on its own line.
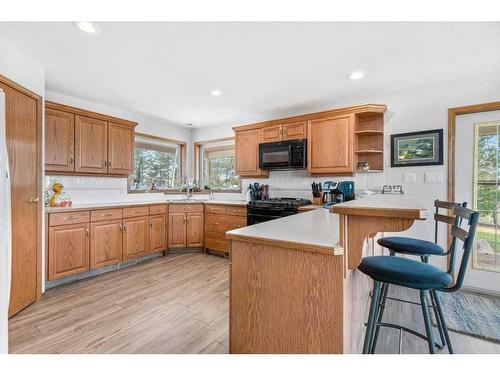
pixel 410 177
pixel 434 178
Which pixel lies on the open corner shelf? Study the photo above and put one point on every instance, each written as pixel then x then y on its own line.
pixel 369 141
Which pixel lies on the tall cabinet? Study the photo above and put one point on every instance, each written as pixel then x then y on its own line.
pixel 87 143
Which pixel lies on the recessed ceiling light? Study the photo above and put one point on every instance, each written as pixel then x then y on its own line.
pixel 216 93
pixel 189 124
pixel 357 74
pixel 87 27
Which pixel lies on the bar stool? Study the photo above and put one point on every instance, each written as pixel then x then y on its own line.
pixel 424 249
pixel 420 276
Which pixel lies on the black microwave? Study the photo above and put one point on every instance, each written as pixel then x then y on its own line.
pixel 283 155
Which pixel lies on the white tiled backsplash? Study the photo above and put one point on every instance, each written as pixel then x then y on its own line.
pixel 293 184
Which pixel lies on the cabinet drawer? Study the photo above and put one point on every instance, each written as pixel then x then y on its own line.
pixel 157 209
pixel 101 215
pixel 216 241
pixel 209 208
pixel 236 210
pixel 136 211
pixel 197 207
pixel 221 223
pixel 69 218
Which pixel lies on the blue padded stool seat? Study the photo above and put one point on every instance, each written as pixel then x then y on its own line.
pixel 405 272
pixel 413 246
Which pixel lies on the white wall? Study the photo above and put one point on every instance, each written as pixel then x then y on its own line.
pixel 22 69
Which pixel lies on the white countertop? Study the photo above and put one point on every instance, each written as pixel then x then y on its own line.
pixel 122 204
pixel 314 229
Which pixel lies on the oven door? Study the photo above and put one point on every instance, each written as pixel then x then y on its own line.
pixel 275 155
pixel 259 218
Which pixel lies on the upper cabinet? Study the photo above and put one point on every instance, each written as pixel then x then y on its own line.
pixel 284 132
pixel 91 150
pixel 337 140
pixel 330 145
pixel 247 153
pixel 59 140
pixel 87 143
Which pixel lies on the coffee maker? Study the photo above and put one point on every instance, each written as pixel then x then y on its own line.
pixel 337 192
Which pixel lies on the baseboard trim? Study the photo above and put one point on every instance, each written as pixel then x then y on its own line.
pixel 481 291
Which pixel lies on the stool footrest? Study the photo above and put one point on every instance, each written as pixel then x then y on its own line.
pixel 406 329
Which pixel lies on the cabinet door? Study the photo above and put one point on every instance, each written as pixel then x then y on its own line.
pixel 91 145
pixel 105 243
pixel 330 148
pixel 157 233
pixel 247 153
pixel 135 237
pixel 294 130
pixel 59 141
pixel 194 230
pixel 120 149
pixel 271 134
pixel 68 250
pixel 176 229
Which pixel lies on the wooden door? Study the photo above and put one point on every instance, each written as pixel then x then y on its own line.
pixel 105 243
pixel 247 153
pixel 68 250
pixel 194 230
pixel 176 229
pixel 120 149
pixel 135 237
pixel 271 134
pixel 157 233
pixel 23 136
pixel 294 130
pixel 91 145
pixel 330 148
pixel 59 141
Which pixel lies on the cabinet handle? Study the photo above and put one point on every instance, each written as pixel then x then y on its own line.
pixel 150 223
pixel 121 228
pixel 124 227
pixel 71 159
pixel 71 218
pixel 104 163
pixel 106 215
pixel 215 222
pixel 33 200
pixel 87 232
pixel 109 163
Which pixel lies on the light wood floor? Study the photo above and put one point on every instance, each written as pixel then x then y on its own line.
pixel 174 304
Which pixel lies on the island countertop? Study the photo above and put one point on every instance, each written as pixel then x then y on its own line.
pixel 316 230
pixel 383 205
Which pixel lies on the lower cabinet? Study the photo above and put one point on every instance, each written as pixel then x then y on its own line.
pixel 105 243
pixel 194 230
pixel 68 251
pixel 218 220
pixel 185 226
pixel 135 237
pixel 157 235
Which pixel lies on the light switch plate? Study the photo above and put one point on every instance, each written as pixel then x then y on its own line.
pixel 410 177
pixel 434 177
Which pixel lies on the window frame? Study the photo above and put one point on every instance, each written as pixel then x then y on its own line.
pixel 182 163
pixel 197 163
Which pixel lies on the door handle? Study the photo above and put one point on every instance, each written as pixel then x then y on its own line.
pixel 34 200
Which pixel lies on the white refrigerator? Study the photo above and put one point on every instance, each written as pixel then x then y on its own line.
pixel 5 232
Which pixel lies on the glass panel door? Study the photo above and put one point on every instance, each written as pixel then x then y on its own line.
pixel 486 195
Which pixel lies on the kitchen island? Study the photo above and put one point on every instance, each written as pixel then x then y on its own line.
pixel 294 286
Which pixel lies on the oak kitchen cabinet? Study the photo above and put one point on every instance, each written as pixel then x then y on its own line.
pixel 336 140
pixel 82 240
pixel 330 145
pixel 185 225
pixel 247 153
pixel 68 250
pixel 87 143
pixel 218 220
pixel 284 132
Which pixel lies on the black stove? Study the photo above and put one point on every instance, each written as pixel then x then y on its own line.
pixel 259 211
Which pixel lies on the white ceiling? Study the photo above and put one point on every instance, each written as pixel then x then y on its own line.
pixel 263 69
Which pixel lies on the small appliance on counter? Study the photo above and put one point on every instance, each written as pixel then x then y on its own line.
pixel 337 192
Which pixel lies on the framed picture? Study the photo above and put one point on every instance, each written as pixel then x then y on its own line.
pixel 417 148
